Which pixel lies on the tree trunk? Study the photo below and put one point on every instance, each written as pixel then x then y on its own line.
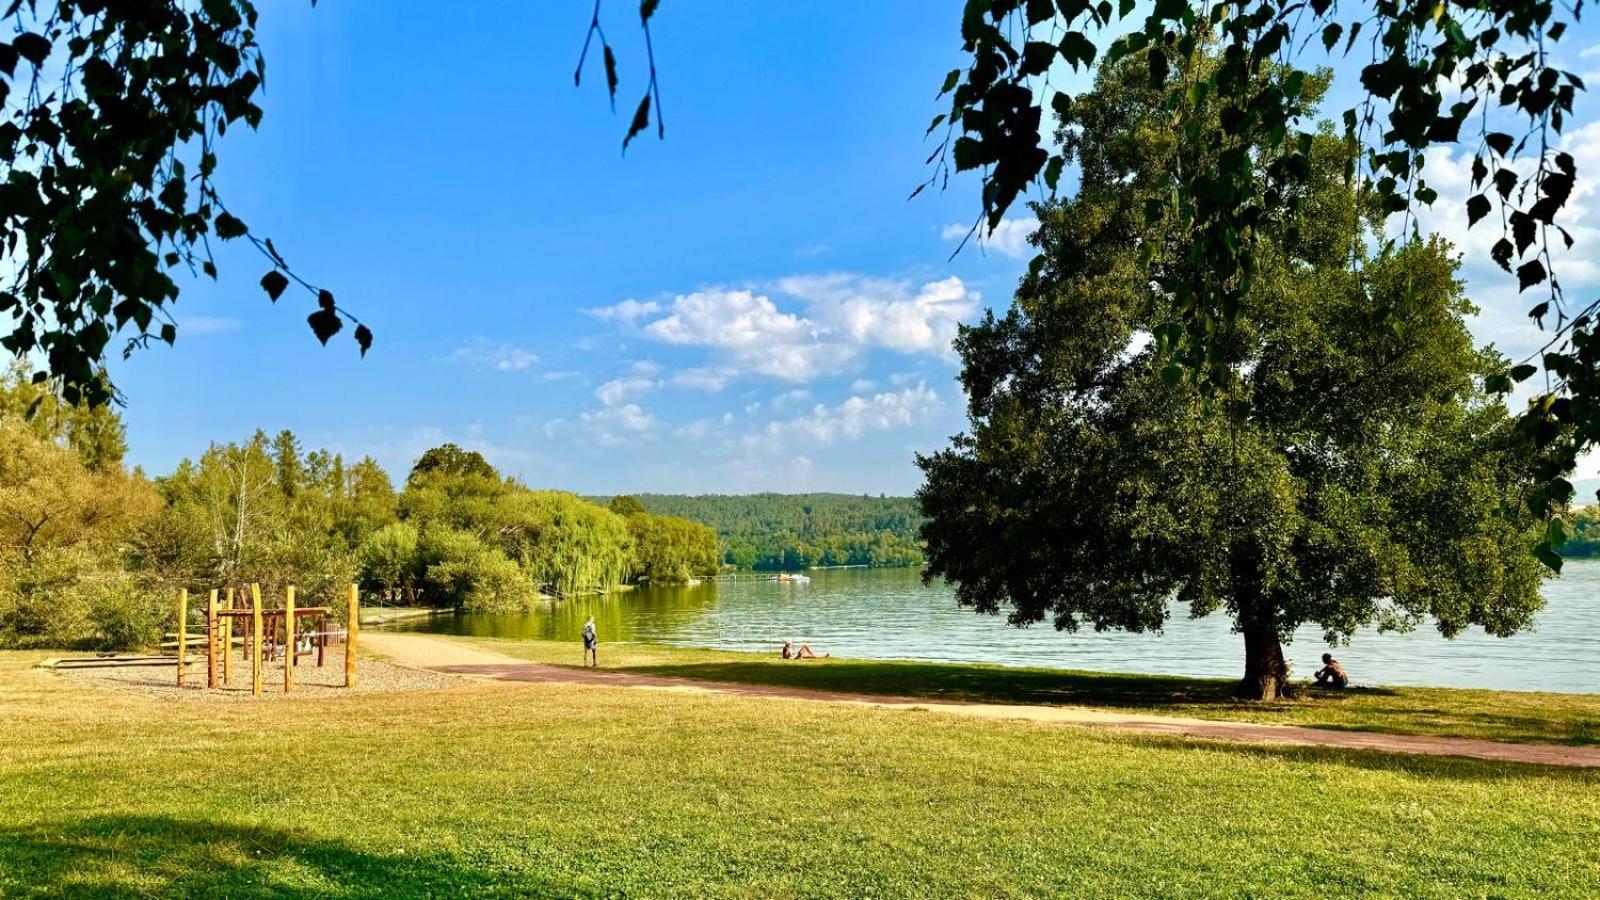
pixel 1265 672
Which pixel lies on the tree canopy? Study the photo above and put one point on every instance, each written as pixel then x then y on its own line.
pixel 1484 76
pixel 1355 473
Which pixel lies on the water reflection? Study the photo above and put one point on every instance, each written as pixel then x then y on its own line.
pixel 890 614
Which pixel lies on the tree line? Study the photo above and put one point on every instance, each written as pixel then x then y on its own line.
pixel 775 532
pixel 92 553
pixel 1585 540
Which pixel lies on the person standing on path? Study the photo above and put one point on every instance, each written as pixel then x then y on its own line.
pixel 591 644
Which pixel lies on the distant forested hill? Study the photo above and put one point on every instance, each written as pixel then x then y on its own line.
pixel 793 531
pixel 1585 540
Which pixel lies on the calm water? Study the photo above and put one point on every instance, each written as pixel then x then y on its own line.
pixel 889 614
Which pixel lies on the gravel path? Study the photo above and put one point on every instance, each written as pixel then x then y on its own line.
pixel 373 676
pixel 454 657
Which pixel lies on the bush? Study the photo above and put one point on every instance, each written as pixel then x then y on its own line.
pixel 389 559
pixel 484 581
pixel 499 585
pixel 42 603
pixel 70 599
pixel 123 615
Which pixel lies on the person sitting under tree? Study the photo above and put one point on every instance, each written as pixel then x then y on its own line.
pixel 1331 674
pixel 805 652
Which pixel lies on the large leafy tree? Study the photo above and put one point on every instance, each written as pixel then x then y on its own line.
pixel 1355 471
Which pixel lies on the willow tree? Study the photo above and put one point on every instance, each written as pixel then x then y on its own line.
pixel 567 543
pixel 670 550
pixel 1356 474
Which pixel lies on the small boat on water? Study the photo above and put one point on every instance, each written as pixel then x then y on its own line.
pixel 794 578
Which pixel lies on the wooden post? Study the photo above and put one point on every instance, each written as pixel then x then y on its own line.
pixel 211 639
pixel 322 638
pixel 288 641
pixel 351 628
pixel 227 643
pixel 255 639
pixel 183 632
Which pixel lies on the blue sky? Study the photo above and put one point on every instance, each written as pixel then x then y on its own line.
pixel 751 304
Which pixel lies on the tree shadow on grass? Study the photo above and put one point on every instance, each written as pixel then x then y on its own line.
pixel 155 856
pixel 1444 768
pixel 1354 709
pixel 993 684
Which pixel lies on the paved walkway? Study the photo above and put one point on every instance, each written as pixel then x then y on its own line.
pixel 453 656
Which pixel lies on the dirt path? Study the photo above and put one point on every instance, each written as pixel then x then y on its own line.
pixel 455 657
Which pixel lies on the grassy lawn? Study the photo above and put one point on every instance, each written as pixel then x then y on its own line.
pixel 1499 715
pixel 567 790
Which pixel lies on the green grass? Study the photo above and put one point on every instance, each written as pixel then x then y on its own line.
pixel 567 790
pixel 1521 716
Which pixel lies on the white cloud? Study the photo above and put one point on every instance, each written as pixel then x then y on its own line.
pixel 863 386
pixel 697 430
pixel 619 390
pixel 726 318
pixel 704 378
pixel 628 312
pixel 482 353
pixel 750 334
pixel 609 426
pixel 563 375
pixel 791 398
pixel 1009 238
pixel 845 317
pixel 877 312
pixel 849 420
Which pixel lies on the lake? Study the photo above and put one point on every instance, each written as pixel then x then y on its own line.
pixel 890 614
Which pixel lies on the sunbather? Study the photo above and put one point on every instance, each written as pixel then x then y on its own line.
pixel 805 652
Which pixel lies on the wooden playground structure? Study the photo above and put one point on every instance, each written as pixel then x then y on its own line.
pixel 270 633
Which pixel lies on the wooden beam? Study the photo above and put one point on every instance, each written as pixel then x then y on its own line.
pixel 227 642
pixel 351 628
pixel 183 632
pixel 288 640
pixel 255 639
pixel 211 639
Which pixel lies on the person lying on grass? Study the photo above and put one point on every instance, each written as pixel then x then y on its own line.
pixel 805 652
pixel 1331 674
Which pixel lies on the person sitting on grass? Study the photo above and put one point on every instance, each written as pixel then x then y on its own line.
pixel 805 652
pixel 1332 674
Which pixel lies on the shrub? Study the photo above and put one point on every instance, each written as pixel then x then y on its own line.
pixel 124 615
